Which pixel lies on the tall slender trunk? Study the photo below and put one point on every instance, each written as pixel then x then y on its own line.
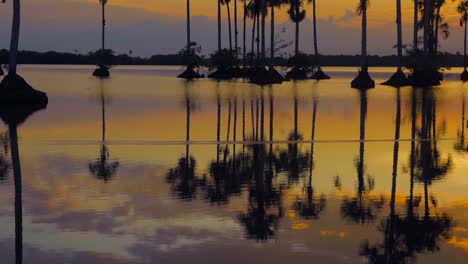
pixel 263 12
pixel 235 31
pixel 188 25
pixel 399 35
pixel 296 47
pixel 218 124
pixel 362 138
pixel 219 25
pixel 464 47
pixel 229 25
pixel 258 36
pixel 15 33
pixel 427 28
pixel 314 13
pixel 253 34
pixel 413 154
pixel 103 109
pixel 364 41
pixel 415 25
pixel 272 34
pixel 244 34
pixel 103 26
pixel 436 30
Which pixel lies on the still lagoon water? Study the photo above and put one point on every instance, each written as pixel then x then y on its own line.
pixel 147 168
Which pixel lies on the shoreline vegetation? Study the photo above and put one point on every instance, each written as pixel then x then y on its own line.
pixel 68 58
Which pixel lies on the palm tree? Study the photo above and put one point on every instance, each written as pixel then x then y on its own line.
pixel 219 25
pixel 398 79
pixel 415 25
pixel 462 9
pixel 319 74
pixel 363 80
pixel 103 70
pixel 228 9
pixel 13 88
pixel 297 16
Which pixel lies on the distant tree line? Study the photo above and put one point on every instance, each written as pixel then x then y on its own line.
pixel 53 57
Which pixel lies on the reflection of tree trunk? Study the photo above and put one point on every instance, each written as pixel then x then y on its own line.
pixel 218 125
pixel 311 165
pixel 257 113
pixel 18 193
pixel 462 136
pixel 243 128
pixel 395 155
pixel 226 149
pixel 262 118
pixel 362 138
pixel 413 152
pixel 187 128
pixel 252 117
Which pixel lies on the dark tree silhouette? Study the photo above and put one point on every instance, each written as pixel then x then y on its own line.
pixel 103 69
pixel 318 74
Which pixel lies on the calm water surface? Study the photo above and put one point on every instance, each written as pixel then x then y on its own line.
pixel 146 168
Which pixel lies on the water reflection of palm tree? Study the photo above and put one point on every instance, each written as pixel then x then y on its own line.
pixel 103 168
pixel 4 164
pixel 264 209
pixel 363 207
pixel 310 207
pixel 183 179
pixel 460 145
pixel 392 249
pixel 13 116
pixel 291 160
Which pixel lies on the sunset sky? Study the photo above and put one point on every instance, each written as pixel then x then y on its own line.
pixel 150 27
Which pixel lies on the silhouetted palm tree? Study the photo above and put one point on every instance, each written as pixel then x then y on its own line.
pixel 13 88
pixel 363 80
pixel 297 15
pixel 398 79
pixel 462 9
pixel 228 9
pixel 318 74
pixel 219 25
pixel 103 168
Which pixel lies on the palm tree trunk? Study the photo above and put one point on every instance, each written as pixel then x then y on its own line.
pixel 464 48
pixel 436 31
pixel 188 25
pixel 235 30
pixel 253 35
pixel 314 11
pixel 263 10
pixel 15 33
pixel 103 26
pixel 272 34
pixel 427 20
pixel 415 25
pixel 244 34
pixel 18 192
pixel 229 25
pixel 258 36
pixel 364 41
pixel 219 25
pixel 399 35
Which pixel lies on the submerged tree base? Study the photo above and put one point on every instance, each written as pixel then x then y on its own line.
pixel 266 77
pixel 102 72
pixel 190 74
pixel 297 73
pixel 464 75
pixel 222 73
pixel 398 79
pixel 14 90
pixel 424 78
pixel 363 81
pixel 319 75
